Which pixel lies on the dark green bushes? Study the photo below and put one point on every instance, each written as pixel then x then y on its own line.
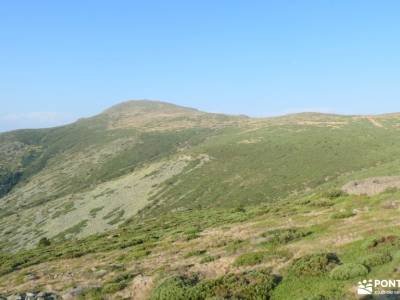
pixel 314 264
pixel 377 259
pixel 253 285
pixel 44 242
pixel 250 259
pixel 284 236
pixel 137 235
pixel 334 194
pixel 322 203
pixel 8 180
pixel 110 287
pixel 348 271
pixel 385 241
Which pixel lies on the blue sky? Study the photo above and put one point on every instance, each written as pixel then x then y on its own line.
pixel 60 60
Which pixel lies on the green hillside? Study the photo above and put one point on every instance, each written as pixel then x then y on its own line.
pixel 165 201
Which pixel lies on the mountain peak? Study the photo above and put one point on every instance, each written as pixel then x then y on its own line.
pixel 151 114
pixel 147 106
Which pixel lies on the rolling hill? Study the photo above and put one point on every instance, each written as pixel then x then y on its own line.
pixel 112 193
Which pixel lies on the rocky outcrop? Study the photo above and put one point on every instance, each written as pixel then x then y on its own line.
pixel 31 296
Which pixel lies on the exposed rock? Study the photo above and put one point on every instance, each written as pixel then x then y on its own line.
pixel 73 293
pixel 372 186
pixel 31 296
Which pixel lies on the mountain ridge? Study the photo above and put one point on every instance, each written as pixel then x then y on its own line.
pixel 231 194
pixel 85 163
pixel 142 106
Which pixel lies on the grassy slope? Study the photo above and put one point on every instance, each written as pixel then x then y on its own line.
pixel 251 163
pixel 217 242
pixel 273 161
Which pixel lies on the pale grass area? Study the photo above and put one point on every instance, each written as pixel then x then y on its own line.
pixel 125 195
pixel 372 186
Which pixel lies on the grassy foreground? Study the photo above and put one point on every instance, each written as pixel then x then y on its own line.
pixel 313 247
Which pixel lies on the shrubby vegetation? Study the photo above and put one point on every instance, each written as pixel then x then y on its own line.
pixel 137 234
pixel 208 258
pixel 43 242
pixel 284 236
pixel 343 215
pixel 334 194
pixel 314 264
pixel 382 242
pixel 348 271
pixel 250 259
pixel 256 285
pixel 8 180
pixel 377 259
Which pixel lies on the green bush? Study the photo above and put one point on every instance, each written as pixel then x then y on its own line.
pixel 110 288
pixel 334 194
pixel 177 288
pixel 377 259
pixel 44 242
pixel 322 203
pixel 192 233
pixel 118 283
pixel 208 258
pixel 343 215
pixel 92 294
pixel 314 264
pixel 387 241
pixel 249 259
pixel 256 285
pixel 284 236
pixel 348 271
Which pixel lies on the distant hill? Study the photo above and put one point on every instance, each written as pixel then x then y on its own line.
pixel 149 157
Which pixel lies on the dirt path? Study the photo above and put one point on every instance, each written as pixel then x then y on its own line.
pixel 375 122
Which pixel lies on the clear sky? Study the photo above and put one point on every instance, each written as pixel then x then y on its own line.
pixel 60 60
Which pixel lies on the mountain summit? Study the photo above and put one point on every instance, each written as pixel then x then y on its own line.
pixel 154 115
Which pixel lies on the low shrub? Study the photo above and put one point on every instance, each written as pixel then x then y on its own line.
pixel 343 215
pixel 191 232
pixel 334 194
pixel 195 253
pixel 44 242
pixel 118 283
pixel 348 271
pixel 208 258
pixel 255 285
pixel 92 294
pixel 249 259
pixel 284 236
pixel 322 203
pixel 314 264
pixel 385 241
pixel 177 288
pixel 110 288
pixel 377 259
